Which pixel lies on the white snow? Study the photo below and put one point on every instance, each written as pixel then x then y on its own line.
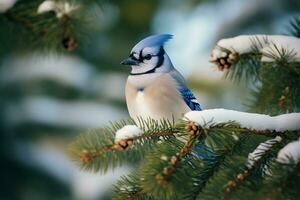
pixel 217 53
pixel 291 152
pixel 261 150
pixel 60 8
pixel 164 158
pixel 266 43
pixel 206 118
pixel 68 70
pixel 46 6
pixel 51 158
pixel 128 131
pixel 6 4
pixel 53 112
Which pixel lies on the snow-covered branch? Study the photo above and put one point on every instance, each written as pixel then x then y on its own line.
pixel 60 8
pixel 252 121
pixel 261 150
pixel 270 46
pixel 128 131
pixel 290 153
pixel 6 5
pixel 211 117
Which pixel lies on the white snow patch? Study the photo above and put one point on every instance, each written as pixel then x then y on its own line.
pixel 60 8
pixel 68 70
pixel 266 43
pixel 235 137
pixel 46 6
pixel 53 160
pixel 164 158
pixel 53 112
pixel 261 150
pixel 285 122
pixel 128 131
pixel 291 152
pixel 217 53
pixel 6 4
pixel 93 186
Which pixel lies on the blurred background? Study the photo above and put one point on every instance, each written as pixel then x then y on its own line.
pixel 48 98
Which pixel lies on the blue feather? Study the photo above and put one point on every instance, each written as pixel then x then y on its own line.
pixel 189 99
pixel 204 152
pixel 151 41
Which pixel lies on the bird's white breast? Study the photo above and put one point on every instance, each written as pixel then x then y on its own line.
pixel 159 99
pixel 143 81
pixel 141 107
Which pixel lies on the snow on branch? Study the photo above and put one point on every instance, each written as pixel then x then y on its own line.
pixel 252 121
pixel 128 131
pixel 290 153
pixel 60 8
pixel 261 150
pixel 6 5
pixel 270 46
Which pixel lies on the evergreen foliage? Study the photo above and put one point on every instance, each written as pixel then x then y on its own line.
pixel 168 163
pixel 29 42
pixel 279 78
pixel 165 158
pixel 46 31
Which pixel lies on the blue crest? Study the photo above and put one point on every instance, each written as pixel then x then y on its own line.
pixel 153 40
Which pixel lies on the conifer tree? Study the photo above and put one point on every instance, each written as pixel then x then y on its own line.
pixel 42 44
pixel 248 160
pixel 254 155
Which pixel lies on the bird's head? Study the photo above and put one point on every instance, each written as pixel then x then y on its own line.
pixel 148 56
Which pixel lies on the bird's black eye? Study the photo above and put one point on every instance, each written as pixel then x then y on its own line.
pixel 148 56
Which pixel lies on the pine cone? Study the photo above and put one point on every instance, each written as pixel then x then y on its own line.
pixel 192 128
pixel 123 145
pixel 85 156
pixel 69 43
pixel 227 61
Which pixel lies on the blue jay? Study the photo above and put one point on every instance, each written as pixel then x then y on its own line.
pixel 154 88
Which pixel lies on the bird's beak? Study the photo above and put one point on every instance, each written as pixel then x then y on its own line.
pixel 129 61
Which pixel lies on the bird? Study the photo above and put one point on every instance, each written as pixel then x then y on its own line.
pixel 154 88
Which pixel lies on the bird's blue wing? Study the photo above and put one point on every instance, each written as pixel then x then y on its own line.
pixel 204 152
pixel 189 99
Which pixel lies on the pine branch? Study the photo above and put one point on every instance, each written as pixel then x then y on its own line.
pixel 165 168
pixel 212 165
pixel 258 161
pixel 167 165
pixel 295 27
pixel 199 154
pixel 245 68
pixel 229 167
pixel 270 64
pixel 172 161
pixel 50 30
pixel 127 188
pixel 194 133
pixel 98 150
pixel 283 84
pixel 281 183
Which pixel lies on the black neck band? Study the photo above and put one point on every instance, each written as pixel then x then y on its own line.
pixel 146 72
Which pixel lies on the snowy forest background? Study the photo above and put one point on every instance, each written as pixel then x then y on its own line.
pixel 48 98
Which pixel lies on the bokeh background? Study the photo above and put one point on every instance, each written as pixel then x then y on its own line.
pixel 47 99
